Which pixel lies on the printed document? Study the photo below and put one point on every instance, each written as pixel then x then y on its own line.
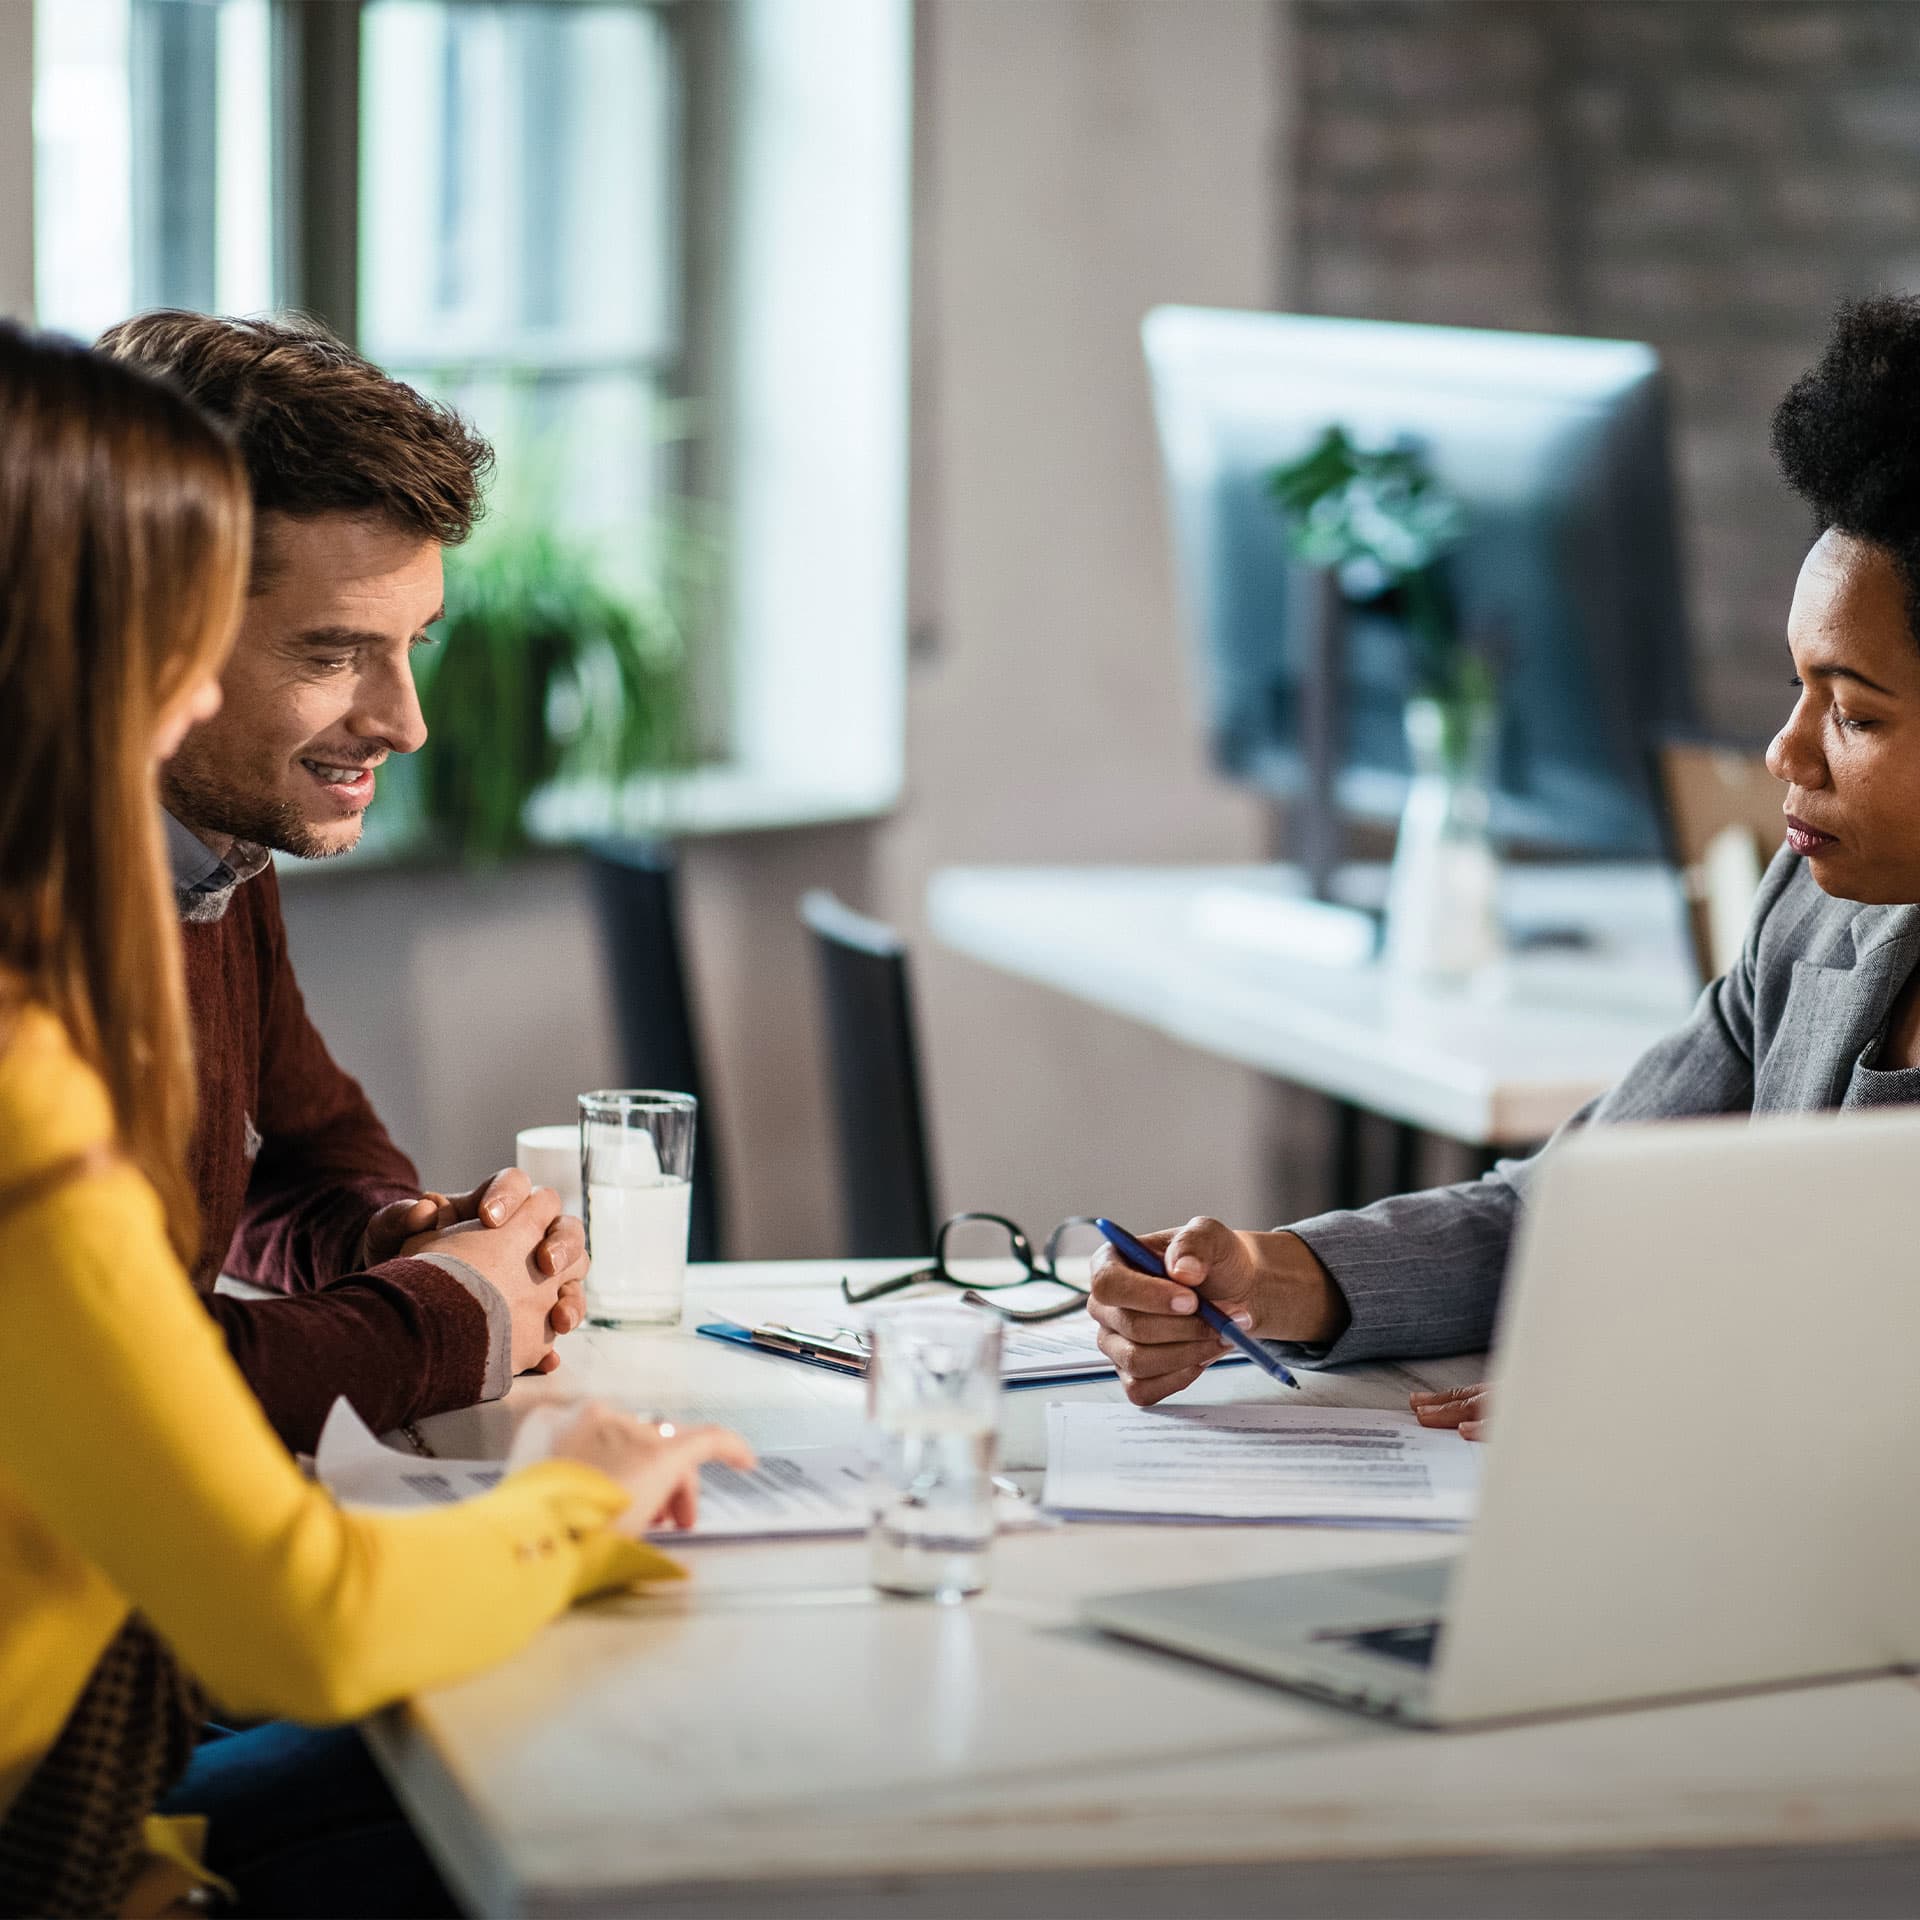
pixel 806 1492
pixel 1260 1462
pixel 814 1490
pixel 358 1471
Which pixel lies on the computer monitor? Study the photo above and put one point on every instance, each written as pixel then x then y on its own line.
pixel 1558 450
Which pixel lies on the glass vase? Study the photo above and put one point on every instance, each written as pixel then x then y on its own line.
pixel 1443 924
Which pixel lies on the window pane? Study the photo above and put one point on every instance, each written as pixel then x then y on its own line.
pixel 584 453
pixel 516 184
pixel 175 169
pixel 243 158
pixel 83 165
pixel 152 152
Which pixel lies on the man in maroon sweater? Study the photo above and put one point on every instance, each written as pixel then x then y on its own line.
pixel 406 1302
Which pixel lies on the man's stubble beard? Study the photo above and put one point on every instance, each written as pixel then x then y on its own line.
pixel 198 799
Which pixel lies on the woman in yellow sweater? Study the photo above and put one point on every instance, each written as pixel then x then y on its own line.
pixel 155 1538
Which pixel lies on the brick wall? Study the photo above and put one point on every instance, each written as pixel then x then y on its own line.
pixel 1707 175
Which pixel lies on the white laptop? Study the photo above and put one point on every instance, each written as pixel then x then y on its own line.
pixel 1704 1470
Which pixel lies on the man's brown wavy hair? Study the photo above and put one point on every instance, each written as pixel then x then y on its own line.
pixel 124 534
pixel 320 427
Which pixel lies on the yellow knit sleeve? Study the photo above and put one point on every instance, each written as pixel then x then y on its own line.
pixel 128 1429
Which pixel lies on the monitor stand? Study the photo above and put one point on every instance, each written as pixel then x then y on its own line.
pixel 1319 619
pixel 1311 925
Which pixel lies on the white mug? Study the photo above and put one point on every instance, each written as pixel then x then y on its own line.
pixel 550 1157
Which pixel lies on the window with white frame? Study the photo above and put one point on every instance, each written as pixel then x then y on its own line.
pixel 152 159
pixel 519 240
pixel 516 217
pixel 519 231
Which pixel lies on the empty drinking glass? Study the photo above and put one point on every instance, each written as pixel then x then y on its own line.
pixel 636 1172
pixel 933 1408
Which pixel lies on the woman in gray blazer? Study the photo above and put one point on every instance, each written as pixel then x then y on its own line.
pixel 1822 1011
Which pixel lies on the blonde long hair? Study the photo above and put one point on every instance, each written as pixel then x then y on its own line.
pixel 124 530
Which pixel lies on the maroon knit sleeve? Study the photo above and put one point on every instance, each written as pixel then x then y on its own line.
pixel 325 1163
pixel 399 1342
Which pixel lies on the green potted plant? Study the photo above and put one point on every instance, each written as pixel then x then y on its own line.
pixel 1381 522
pixel 547 673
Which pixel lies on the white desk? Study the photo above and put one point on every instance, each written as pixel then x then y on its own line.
pixel 1497 1071
pixel 772 1738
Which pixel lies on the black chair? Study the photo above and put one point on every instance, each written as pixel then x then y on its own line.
pixel 885 1183
pixel 636 890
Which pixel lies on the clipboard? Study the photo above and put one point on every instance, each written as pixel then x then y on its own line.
pixel 810 1351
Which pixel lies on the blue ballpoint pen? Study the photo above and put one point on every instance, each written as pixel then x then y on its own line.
pixel 1136 1255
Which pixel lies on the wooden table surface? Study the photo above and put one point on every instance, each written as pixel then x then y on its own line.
pixel 773 1737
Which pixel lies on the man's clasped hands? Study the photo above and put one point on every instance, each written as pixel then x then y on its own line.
pixel 516 1237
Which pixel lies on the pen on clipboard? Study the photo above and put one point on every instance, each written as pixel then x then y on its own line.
pixel 840 1348
pixel 1137 1255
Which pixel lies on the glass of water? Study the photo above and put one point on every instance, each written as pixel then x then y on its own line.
pixel 636 1177
pixel 933 1419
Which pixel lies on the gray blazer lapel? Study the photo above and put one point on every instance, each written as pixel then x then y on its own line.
pixel 1833 1010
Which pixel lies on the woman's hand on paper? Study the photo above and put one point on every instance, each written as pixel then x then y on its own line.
pixel 1464 1408
pixel 1271 1284
pixel 658 1463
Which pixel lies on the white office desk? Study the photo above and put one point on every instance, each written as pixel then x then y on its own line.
pixel 772 1738
pixel 1496 1070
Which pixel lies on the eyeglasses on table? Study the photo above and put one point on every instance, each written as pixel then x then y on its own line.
pixel 990 1241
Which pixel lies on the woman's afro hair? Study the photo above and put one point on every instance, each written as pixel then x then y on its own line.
pixel 1847 435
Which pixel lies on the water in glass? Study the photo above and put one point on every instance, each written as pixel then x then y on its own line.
pixel 636 1154
pixel 933 1404
pixel 639 1250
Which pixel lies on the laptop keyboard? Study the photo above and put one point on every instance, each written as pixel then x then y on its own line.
pixel 1415 1642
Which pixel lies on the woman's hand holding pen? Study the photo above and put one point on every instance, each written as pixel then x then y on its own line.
pixel 1270 1284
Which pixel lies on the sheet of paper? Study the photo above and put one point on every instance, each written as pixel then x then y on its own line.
pixel 359 1471
pixel 813 1490
pixel 1261 1462
pixel 808 1491
pixel 1044 1348
pixel 1052 1346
